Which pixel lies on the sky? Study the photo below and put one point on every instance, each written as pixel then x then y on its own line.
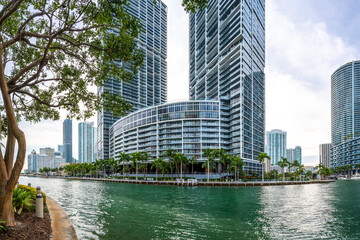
pixel 306 41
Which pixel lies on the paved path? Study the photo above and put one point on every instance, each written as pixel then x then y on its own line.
pixel 62 228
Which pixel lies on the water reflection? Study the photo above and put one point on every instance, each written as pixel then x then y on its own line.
pixel 125 211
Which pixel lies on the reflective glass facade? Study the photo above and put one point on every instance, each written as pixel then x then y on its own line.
pixel 345 114
pixel 227 59
pixel 87 146
pixel 346 153
pixel 345 102
pixel 148 87
pixel 276 145
pixel 67 140
pixel 187 127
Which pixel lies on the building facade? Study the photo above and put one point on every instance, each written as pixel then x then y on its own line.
pixel 290 154
pixel 345 114
pixel 67 140
pixel 61 149
pixel 276 145
pixel 86 142
pixel 48 151
pixel 32 161
pixel 298 154
pixel 324 154
pixel 149 86
pixel 227 59
pixel 346 153
pixel 187 127
pixel 345 102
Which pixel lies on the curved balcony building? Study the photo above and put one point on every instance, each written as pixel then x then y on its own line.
pixel 187 127
pixel 345 102
pixel 345 115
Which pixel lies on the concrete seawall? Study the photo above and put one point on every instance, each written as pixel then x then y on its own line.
pixel 62 227
pixel 175 183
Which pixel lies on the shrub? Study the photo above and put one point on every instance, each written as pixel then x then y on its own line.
pixel 32 190
pixel 3 228
pixel 22 199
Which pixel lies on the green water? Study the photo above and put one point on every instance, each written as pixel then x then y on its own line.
pixel 127 211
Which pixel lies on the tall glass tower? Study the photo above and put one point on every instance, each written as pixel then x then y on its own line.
pixel 148 87
pixel 276 145
pixel 345 102
pixel 67 140
pixel 87 148
pixel 227 59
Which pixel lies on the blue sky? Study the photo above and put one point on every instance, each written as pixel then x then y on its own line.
pixel 306 40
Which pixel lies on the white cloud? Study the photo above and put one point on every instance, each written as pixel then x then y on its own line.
pixel 300 58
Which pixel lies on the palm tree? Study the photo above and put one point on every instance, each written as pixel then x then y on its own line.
pixel 145 158
pixel 103 163
pixel 163 167
pixel 296 165
pixel 210 154
pixel 282 164
pixel 136 157
pixel 223 157
pixel 309 174
pixel 170 153
pixel 156 163
pixel 236 163
pixel 320 167
pixel 261 157
pixel 357 166
pixel 300 170
pixel 124 158
pixel 182 159
pixel 111 163
pixel 192 162
pixel 348 168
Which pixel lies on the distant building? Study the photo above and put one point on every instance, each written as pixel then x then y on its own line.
pixel 324 154
pixel 267 165
pixel 276 145
pixel 86 142
pixel 48 151
pixel 67 140
pixel 61 149
pixel 32 163
pixel 290 154
pixel 57 153
pixel 57 162
pixel 297 155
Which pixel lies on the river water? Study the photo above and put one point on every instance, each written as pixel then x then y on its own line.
pixel 102 210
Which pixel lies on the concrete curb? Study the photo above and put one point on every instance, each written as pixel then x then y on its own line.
pixel 62 228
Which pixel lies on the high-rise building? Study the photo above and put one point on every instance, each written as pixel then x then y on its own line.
pixel 60 149
pixel 148 87
pixel 86 142
pixel 345 115
pixel 297 155
pixel 345 102
pixel 290 154
pixel 227 59
pixel 324 154
pixel 32 164
pixel 48 151
pixel 276 145
pixel 227 94
pixel 67 140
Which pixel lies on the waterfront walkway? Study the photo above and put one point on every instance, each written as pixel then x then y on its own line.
pixel 194 183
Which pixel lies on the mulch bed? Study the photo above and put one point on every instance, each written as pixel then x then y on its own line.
pixel 29 227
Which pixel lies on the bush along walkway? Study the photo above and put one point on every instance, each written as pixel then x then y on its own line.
pixel 28 226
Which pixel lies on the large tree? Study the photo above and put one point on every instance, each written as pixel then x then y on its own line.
pixel 51 54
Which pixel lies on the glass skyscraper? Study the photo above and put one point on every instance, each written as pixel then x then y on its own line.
pixel 227 59
pixel 345 115
pixel 148 87
pixel 67 140
pixel 345 102
pixel 87 146
pixel 276 145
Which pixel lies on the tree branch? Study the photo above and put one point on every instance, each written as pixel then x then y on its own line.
pixel 13 9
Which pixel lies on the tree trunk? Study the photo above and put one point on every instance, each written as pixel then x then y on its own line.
pixel 283 174
pixel 208 170
pixel 181 171
pixel 9 172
